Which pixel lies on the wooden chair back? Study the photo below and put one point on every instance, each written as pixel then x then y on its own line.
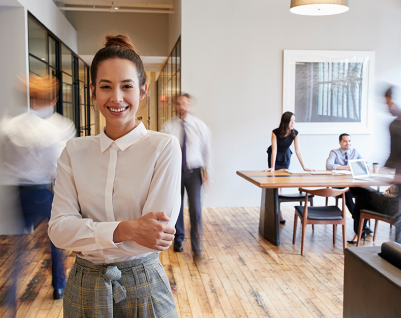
pixel 325 192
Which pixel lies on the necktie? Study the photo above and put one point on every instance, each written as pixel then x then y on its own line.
pixel 184 147
pixel 345 159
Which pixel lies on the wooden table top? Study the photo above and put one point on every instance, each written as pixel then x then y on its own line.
pixel 283 179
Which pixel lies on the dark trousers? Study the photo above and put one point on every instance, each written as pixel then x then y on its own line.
pixel 374 201
pixel 349 202
pixel 191 180
pixel 36 204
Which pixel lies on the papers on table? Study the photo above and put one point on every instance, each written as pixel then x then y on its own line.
pixel 308 172
pixel 342 171
pixel 297 171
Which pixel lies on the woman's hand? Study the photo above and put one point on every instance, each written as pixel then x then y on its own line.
pixel 308 169
pixel 147 231
pixel 269 170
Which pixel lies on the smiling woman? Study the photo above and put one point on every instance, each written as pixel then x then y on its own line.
pixel 109 192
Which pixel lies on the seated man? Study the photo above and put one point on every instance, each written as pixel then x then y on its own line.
pixel 368 199
pixel 338 160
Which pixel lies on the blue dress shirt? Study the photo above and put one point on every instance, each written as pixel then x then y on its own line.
pixel 337 157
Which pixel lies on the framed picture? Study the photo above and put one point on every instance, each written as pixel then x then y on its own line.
pixel 329 91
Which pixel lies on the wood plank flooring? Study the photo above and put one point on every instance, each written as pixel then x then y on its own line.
pixel 241 274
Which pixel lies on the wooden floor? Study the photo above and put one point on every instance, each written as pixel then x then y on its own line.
pixel 241 274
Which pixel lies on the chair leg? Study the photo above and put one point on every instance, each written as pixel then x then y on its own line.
pixel 369 222
pixel 344 236
pixel 303 238
pixel 334 233
pixel 313 227
pixel 361 221
pixel 374 232
pixel 327 201
pixel 337 201
pixel 295 228
pixel 311 201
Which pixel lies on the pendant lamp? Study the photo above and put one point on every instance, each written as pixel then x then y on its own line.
pixel 319 7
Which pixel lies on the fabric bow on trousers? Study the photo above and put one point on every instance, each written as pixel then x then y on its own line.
pixel 113 290
pixel 137 288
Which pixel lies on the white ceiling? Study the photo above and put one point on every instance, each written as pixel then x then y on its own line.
pixel 154 4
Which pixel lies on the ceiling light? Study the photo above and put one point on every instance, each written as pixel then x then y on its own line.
pixel 319 7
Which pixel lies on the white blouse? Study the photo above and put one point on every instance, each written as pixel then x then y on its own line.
pixel 101 182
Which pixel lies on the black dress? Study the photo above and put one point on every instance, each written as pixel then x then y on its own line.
pixel 284 152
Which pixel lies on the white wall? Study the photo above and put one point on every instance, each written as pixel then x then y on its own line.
pixel 47 12
pixel 13 63
pixel 174 25
pixel 232 56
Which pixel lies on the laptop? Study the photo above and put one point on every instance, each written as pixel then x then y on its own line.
pixel 360 170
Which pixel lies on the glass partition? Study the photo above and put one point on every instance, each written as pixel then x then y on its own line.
pixel 48 55
pixel 37 40
pixel 169 86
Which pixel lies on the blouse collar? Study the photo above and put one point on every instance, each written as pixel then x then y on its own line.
pixel 125 141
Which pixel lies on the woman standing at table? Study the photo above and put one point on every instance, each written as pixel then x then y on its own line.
pixel 279 153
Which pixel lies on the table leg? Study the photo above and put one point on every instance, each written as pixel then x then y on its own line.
pixel 269 216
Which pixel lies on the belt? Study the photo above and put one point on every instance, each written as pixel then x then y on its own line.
pixel 109 274
pixel 35 187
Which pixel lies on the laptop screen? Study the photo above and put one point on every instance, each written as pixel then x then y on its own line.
pixel 358 168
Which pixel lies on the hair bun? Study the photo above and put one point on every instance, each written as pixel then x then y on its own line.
pixel 119 40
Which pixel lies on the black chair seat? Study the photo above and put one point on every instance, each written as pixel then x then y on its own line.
pixel 321 212
pixel 373 213
pixel 295 196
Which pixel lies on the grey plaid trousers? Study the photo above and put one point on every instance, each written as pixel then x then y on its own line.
pixel 137 288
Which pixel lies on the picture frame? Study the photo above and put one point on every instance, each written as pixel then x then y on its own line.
pixel 329 91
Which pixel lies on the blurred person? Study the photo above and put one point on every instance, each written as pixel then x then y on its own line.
pixel 339 160
pixel 394 160
pixel 194 137
pixel 117 198
pixel 368 199
pixel 279 153
pixel 33 141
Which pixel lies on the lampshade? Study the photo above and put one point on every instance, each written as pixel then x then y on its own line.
pixel 319 7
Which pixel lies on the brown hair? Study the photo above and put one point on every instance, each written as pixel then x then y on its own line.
pixel 342 135
pixel 118 46
pixel 185 95
pixel 284 128
pixel 42 87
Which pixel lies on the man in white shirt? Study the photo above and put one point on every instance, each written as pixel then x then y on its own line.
pixel 194 138
pixel 33 142
pixel 339 160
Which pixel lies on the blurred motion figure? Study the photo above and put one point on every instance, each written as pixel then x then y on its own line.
pixel 194 137
pixel 33 141
pixel 394 160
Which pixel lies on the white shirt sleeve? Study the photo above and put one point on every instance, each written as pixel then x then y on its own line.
pixel 165 129
pixel 330 162
pixel 207 150
pixel 165 187
pixel 67 229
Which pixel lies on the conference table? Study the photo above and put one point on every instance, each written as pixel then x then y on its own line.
pixel 269 182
